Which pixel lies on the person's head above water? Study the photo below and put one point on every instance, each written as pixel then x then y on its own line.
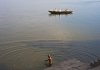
pixel 49 55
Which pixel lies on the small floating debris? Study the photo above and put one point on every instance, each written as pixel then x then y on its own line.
pixel 60 11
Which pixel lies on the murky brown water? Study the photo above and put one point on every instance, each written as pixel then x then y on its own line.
pixel 28 33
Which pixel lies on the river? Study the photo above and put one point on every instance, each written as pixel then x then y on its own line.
pixel 28 32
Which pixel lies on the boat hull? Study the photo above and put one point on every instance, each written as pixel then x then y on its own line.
pixel 62 12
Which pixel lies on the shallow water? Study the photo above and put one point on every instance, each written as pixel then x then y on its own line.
pixel 28 33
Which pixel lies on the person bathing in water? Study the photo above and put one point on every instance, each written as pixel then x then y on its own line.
pixel 49 60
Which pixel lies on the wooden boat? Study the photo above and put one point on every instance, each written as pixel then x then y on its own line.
pixel 59 11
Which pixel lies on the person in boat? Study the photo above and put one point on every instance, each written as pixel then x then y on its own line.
pixel 55 10
pixel 66 9
pixel 60 10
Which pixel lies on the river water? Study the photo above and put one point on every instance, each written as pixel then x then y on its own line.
pixel 28 32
